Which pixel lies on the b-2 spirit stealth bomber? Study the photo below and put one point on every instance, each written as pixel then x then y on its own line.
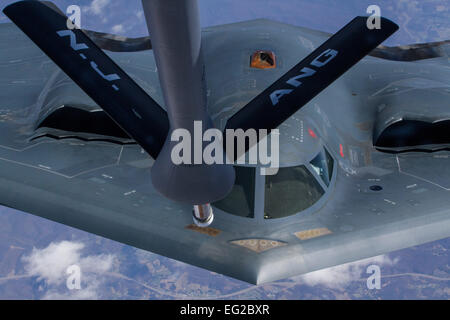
pixel 364 136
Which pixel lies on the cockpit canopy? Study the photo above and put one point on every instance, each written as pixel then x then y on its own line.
pixel 290 191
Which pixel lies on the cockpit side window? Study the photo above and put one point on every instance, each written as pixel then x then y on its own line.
pixel 330 163
pixel 323 166
pixel 290 191
pixel 241 200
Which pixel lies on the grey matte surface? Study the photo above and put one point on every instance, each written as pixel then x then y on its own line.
pixel 105 188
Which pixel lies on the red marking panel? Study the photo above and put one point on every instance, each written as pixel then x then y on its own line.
pixel 312 133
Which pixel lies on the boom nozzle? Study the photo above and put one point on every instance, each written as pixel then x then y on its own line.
pixel 203 215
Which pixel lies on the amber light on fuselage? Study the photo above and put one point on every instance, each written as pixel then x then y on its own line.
pixel 262 59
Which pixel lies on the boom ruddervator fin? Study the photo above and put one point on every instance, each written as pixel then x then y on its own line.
pixel 312 75
pixel 94 72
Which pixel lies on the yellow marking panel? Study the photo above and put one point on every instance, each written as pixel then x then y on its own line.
pixel 258 245
pixel 313 233
pixel 208 231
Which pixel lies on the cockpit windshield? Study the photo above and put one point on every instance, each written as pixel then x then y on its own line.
pixel 241 200
pixel 290 191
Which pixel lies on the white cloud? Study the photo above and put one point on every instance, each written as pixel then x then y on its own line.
pixel 50 265
pixel 96 7
pixel 118 28
pixel 342 275
pixel 140 14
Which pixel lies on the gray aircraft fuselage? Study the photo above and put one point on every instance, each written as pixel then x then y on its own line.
pixel 375 201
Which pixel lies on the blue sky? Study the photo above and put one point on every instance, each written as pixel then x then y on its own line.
pixel 420 21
